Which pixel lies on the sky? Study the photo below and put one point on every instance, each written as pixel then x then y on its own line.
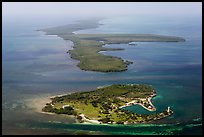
pixel 37 9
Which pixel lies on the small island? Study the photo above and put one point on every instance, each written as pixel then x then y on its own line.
pixel 105 105
pixel 87 46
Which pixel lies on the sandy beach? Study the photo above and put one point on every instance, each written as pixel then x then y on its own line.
pixel 36 103
pixel 91 121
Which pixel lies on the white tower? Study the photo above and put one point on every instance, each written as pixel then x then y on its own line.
pixel 168 110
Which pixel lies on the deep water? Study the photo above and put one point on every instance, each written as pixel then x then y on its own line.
pixel 36 65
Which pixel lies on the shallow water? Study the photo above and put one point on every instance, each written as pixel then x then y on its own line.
pixel 35 65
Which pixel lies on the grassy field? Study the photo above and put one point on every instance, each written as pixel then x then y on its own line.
pixel 87 46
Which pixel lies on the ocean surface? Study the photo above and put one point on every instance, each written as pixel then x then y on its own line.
pixel 36 66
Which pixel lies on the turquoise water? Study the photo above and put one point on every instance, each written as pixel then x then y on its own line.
pixel 35 65
pixel 192 128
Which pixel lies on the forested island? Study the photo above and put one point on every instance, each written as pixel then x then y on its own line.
pixel 87 46
pixel 105 105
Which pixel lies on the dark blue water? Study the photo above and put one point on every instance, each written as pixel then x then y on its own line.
pixel 35 65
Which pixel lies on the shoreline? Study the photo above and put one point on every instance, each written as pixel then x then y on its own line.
pixel 93 44
pixel 82 118
pixel 39 103
pixel 91 121
pixel 134 102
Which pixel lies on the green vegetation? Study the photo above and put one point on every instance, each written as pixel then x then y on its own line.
pixel 87 46
pixel 103 104
pixel 67 110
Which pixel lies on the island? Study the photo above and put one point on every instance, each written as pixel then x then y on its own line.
pixel 106 105
pixel 87 47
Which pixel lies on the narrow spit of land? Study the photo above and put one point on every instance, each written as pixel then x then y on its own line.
pixel 87 46
pixel 105 105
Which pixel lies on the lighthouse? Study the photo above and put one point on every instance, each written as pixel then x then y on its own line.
pixel 168 109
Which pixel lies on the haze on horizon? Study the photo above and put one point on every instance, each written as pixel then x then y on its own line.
pixel 97 9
